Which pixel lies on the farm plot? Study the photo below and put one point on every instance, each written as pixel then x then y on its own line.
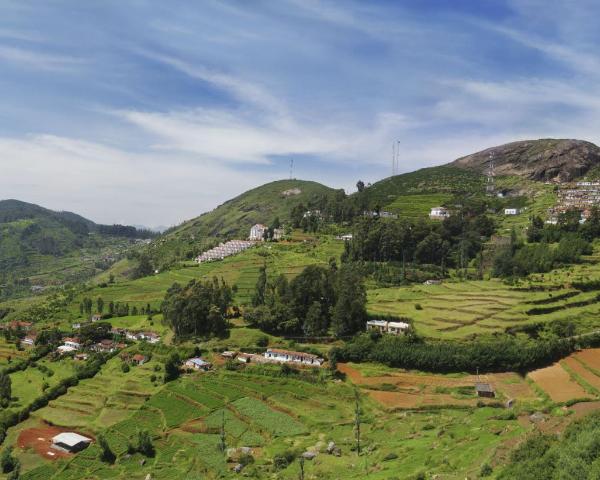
pixel 274 422
pixel 558 384
pixel 459 309
pixel 400 389
pixel 104 400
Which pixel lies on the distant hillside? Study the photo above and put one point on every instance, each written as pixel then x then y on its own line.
pixel 541 160
pixel 41 246
pixel 234 218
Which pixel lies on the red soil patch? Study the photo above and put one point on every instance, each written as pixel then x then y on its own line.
pixel 512 386
pixel 406 380
pixel 40 440
pixel 590 356
pixel 583 372
pixel 557 383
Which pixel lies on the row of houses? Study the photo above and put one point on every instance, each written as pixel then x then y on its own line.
pixel 223 250
pixel 74 344
pixel 271 355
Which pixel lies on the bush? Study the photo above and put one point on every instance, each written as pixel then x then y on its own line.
pixel 390 456
pixel 486 470
pixel 125 367
pixel 262 341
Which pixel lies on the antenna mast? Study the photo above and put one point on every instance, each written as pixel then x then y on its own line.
pixel 491 174
pixel 291 169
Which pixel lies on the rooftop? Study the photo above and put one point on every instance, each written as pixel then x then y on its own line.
pixel 70 439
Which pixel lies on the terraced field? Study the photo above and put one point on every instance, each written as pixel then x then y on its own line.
pixel 459 309
pixel 104 400
pixel 274 415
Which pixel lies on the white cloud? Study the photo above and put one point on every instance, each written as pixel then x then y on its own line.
pixel 37 60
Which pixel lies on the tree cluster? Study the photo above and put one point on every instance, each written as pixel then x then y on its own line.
pixel 318 300
pixel 199 309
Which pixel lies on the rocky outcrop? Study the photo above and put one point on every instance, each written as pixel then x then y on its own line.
pixel 543 160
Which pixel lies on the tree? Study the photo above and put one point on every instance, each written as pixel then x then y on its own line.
pixel 222 433
pixel 144 445
pixel 261 287
pixel 7 461
pixel 106 454
pixel 100 305
pixel 172 367
pixel 349 313
pixel 360 185
pixel 144 267
pixel 111 278
pixel 316 322
pixel 5 388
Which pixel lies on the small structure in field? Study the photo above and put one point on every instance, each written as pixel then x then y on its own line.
pixel 432 281
pixel 512 211
pixel 29 339
pixel 70 344
pixel 244 357
pixel 96 318
pixel 439 213
pixel 82 357
pixel 70 442
pixel 197 363
pixel 484 389
pixel 228 354
pixel 139 359
pixel 285 356
pixel 383 326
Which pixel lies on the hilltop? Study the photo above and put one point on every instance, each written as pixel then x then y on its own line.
pixel 545 159
pixel 234 218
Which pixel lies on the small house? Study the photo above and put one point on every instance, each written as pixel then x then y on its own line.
pixel 18 325
pixel 288 356
pixel 29 339
pixel 439 213
pixel 257 232
pixel 432 281
pixel 197 363
pixel 105 346
pixel 484 390
pixel 96 318
pixel 385 327
pixel 81 357
pixel 70 442
pixel 512 211
pixel 72 342
pixel 150 337
pixel 244 357
pixel 228 354
pixel 139 359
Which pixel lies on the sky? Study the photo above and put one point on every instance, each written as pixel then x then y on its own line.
pixel 150 113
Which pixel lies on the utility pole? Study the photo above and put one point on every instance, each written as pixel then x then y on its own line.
pixel 223 446
pixel 291 168
pixel 301 475
pixel 357 419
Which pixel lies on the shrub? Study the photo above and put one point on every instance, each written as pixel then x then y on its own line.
pixel 124 367
pixel 390 456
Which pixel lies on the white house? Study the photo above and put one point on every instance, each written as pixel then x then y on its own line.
pixel 278 233
pixel 439 213
pixel 512 211
pixel 383 326
pixel 197 363
pixel 73 343
pixel 70 442
pixel 257 232
pixel 285 356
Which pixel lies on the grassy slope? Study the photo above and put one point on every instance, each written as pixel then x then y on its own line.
pixel 234 218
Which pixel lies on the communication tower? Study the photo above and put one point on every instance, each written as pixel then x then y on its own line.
pixel 490 187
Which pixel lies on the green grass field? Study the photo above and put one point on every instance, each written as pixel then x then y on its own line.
pixel 276 415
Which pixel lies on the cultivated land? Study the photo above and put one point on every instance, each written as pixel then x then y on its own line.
pixel 414 424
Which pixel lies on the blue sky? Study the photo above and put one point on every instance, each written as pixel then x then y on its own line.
pixel 153 112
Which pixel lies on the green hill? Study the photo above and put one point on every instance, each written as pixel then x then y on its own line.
pixel 234 218
pixel 41 247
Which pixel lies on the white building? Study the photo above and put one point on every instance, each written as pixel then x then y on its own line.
pixel 512 211
pixel 278 233
pixel 439 213
pixel 257 232
pixel 285 356
pixel 197 363
pixel 383 326
pixel 70 442
pixel 73 343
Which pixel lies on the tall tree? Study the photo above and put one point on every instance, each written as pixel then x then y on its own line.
pixel 349 312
